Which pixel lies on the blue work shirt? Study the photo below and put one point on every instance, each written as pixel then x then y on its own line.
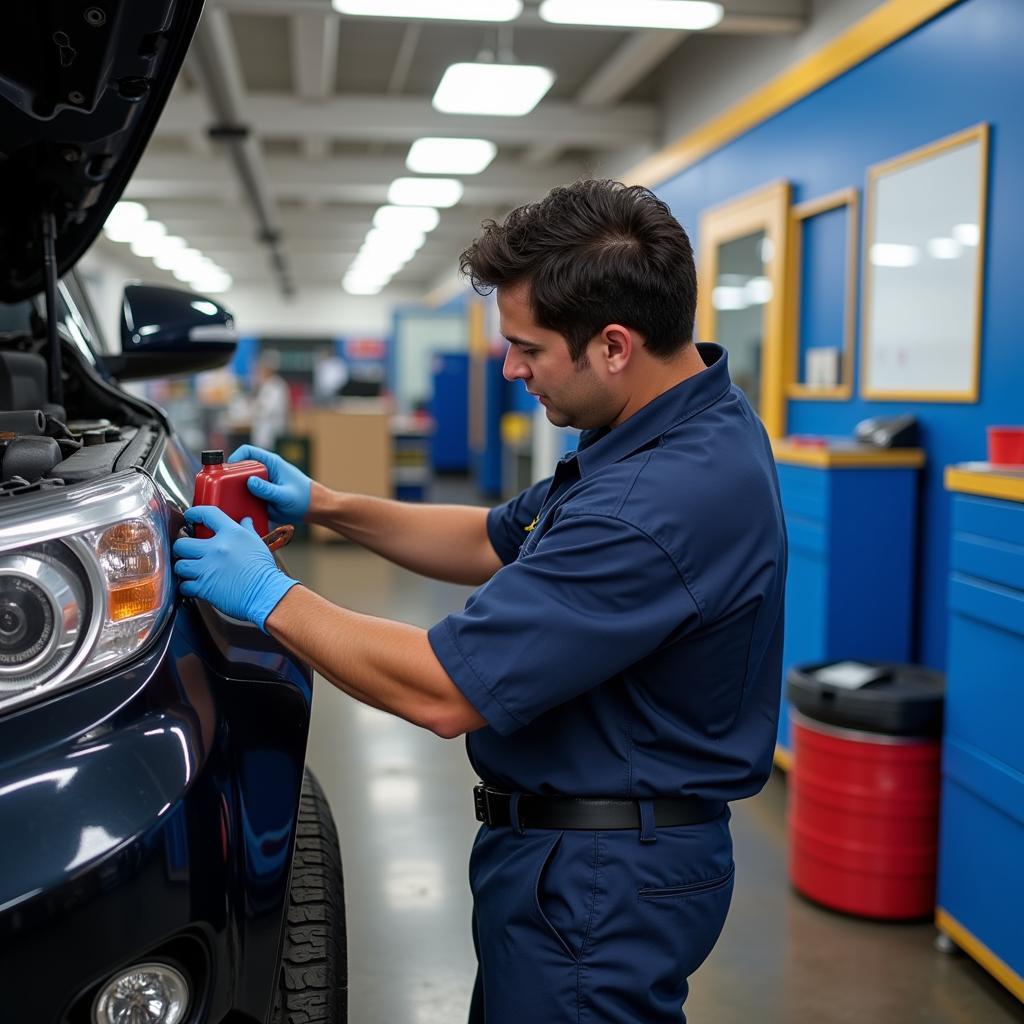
pixel 631 644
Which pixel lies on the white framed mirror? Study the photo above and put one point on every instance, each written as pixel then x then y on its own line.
pixel 923 272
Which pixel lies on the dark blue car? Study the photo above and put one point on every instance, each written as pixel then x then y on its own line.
pixel 164 856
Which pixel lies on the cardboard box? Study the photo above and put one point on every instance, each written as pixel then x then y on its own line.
pixel 350 450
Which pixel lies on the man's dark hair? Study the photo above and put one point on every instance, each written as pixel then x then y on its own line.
pixel 594 253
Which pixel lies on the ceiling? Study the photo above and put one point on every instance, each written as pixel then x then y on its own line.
pixel 312 114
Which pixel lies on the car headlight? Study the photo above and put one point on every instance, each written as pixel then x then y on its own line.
pixel 85 582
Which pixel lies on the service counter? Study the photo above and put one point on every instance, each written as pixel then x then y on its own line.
pixel 851 514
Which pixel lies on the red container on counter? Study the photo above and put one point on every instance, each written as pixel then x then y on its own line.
pixel 1006 446
pixel 225 484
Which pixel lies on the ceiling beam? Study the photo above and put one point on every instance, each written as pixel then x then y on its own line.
pixel 754 17
pixel 404 119
pixel 314 38
pixel 213 61
pixel 354 179
pixel 639 54
pixel 403 62
pixel 314 54
pixel 206 218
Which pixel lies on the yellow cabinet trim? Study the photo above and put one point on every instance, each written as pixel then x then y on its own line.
pixel 847 456
pixel 977 950
pixel 987 484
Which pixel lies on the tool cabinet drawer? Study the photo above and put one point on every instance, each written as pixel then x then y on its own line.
pixel 805 492
pixel 988 540
pixel 979 874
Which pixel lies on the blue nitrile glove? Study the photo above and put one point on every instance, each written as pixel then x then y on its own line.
pixel 286 493
pixel 233 570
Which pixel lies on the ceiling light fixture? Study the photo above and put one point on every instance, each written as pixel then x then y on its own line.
pixel 450 156
pixel 449 10
pixel 437 192
pixel 687 15
pixel 146 237
pixel 508 90
pixel 212 280
pixel 378 240
pixel 356 284
pixel 406 218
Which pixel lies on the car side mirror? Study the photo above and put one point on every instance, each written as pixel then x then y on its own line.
pixel 170 331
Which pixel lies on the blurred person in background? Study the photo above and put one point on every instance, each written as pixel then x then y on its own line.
pixel 271 405
pixel 330 375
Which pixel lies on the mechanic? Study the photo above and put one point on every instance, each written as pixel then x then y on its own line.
pixel 624 645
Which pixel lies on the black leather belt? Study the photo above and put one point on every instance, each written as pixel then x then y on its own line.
pixel 592 813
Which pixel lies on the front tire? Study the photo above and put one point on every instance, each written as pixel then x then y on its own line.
pixel 313 976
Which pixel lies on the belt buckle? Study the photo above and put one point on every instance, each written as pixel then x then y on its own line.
pixel 480 805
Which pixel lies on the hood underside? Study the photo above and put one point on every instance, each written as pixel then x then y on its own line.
pixel 81 88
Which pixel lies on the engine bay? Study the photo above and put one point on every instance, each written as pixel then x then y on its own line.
pixel 43 446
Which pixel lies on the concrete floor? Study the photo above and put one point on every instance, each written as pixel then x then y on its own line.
pixel 402 801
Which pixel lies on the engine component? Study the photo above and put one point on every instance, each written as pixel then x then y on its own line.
pixel 90 463
pixel 29 457
pixel 23 421
pixel 79 427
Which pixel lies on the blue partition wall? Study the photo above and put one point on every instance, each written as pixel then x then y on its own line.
pixel 963 67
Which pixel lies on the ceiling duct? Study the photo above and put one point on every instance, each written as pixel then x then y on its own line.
pixel 214 63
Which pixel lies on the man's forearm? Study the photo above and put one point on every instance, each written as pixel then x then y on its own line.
pixel 388 665
pixel 444 542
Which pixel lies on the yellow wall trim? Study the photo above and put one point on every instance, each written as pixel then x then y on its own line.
pixel 990 484
pixel 884 25
pixel 847 457
pixel 977 950
pixel 765 209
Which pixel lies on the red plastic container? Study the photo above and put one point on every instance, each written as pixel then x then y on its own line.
pixel 863 820
pixel 224 484
pixel 1006 446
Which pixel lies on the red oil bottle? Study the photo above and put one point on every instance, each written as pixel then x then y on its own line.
pixel 223 484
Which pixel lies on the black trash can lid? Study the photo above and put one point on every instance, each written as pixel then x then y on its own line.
pixel 873 696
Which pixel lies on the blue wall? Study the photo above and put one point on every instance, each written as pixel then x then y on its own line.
pixel 964 67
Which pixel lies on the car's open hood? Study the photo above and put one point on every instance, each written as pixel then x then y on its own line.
pixel 81 88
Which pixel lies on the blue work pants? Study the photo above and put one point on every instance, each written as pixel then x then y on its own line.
pixel 580 926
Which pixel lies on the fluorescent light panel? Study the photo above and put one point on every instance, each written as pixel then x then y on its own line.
pixel 686 15
pixel 448 10
pixel 450 156
pixel 406 218
pixel 508 90
pixel 437 192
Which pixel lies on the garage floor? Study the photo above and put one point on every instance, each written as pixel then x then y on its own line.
pixel 401 799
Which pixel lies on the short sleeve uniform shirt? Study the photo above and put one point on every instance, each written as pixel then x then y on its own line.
pixel 631 645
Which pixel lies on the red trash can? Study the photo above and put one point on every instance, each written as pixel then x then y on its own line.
pixel 864 788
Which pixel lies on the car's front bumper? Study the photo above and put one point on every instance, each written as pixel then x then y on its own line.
pixel 149 814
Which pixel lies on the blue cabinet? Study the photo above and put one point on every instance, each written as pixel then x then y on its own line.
pixel 851 519
pixel 981 832
pixel 449 409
